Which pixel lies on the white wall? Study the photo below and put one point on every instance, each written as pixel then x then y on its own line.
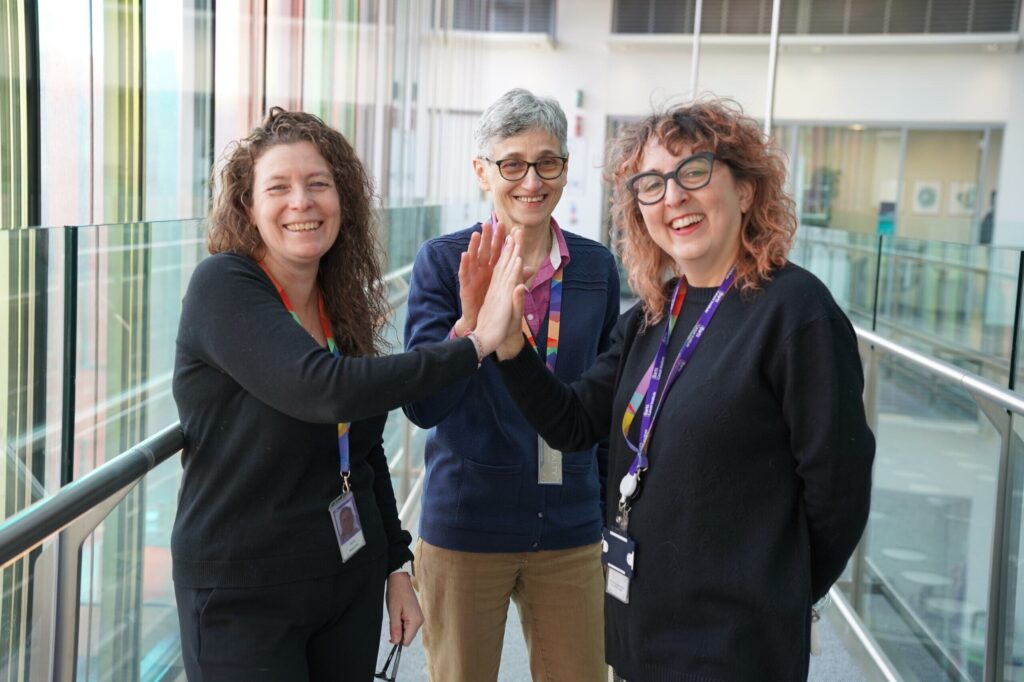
pixel 926 84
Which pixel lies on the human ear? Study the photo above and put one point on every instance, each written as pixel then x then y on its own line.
pixel 480 169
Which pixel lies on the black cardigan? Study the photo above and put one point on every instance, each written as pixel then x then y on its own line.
pixel 259 402
pixel 759 481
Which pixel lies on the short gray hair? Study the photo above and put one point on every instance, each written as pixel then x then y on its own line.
pixel 517 111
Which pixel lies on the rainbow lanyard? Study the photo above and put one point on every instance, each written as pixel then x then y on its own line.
pixel 647 390
pixel 554 321
pixel 343 451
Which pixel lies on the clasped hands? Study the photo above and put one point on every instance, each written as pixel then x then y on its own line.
pixel 491 288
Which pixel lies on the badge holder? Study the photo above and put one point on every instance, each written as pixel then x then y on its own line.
pixel 549 464
pixel 617 553
pixel 348 530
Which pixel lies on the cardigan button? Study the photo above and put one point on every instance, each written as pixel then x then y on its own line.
pixel 540 515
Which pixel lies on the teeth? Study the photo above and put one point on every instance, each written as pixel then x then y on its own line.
pixel 302 227
pixel 686 221
pixel 530 200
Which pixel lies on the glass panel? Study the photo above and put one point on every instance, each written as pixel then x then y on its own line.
pixel 65 115
pixel 672 16
pixel 14 118
pixel 128 624
pixel 1014 636
pixel 847 177
pixel 928 543
pixel 132 280
pixel 25 585
pixel 179 123
pixel 951 301
pixel 632 16
pixel 846 262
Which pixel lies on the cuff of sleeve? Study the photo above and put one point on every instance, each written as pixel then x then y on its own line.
pixel 404 568
pixel 398 557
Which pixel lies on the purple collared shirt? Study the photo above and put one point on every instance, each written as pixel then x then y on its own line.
pixel 535 302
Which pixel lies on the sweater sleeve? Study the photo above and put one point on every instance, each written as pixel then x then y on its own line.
pixel 819 378
pixel 233 320
pixel 610 317
pixel 569 417
pixel 432 312
pixel 398 539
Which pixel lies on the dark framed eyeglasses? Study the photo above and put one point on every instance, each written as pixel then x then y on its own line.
pixel 547 167
pixel 396 653
pixel 692 173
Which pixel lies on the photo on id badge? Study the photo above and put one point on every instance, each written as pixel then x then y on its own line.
pixel 347 528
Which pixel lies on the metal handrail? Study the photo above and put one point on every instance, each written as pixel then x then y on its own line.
pixel 29 528
pixel 76 510
pixel 998 404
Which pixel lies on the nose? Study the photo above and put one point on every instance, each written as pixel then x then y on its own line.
pixel 675 194
pixel 531 180
pixel 299 199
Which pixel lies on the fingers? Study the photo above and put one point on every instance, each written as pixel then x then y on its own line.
pixel 412 622
pixel 395 627
pixel 473 250
pixel 496 242
pixel 486 233
pixel 518 298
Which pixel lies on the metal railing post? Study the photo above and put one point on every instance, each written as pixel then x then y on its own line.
pixel 61 594
pixel 857 568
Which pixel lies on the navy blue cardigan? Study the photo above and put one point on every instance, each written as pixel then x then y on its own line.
pixel 481 492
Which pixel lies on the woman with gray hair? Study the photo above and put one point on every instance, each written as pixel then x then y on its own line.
pixel 504 516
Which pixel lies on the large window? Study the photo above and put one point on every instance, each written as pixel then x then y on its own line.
pixel 819 16
pixel 524 16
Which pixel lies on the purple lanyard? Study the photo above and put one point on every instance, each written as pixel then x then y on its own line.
pixel 647 389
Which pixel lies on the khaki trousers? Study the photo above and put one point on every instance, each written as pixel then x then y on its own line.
pixel 465 596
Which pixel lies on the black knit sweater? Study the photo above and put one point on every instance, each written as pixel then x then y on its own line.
pixel 259 402
pixel 759 481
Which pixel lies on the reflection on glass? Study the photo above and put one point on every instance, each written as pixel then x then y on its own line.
pixel 927 548
pixel 846 177
pixel 1014 585
pixel 952 301
pixel 846 262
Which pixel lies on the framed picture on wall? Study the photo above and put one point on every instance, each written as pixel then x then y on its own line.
pixel 960 201
pixel 927 197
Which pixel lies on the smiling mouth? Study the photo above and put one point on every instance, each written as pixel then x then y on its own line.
pixel 304 227
pixel 686 221
pixel 531 200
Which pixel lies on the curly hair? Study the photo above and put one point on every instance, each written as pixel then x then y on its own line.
pixel 717 126
pixel 350 274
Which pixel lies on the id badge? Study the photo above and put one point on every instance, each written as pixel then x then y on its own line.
pixel 618 553
pixel 347 528
pixel 549 464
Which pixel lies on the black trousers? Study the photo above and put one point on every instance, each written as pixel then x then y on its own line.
pixel 322 630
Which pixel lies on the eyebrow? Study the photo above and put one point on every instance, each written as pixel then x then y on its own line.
pixel 280 176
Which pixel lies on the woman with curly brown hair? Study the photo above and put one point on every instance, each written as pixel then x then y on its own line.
pixel 287 529
pixel 732 398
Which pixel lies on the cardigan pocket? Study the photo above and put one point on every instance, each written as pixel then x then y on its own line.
pixel 487 493
pixel 581 491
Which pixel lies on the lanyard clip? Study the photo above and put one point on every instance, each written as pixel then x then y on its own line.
pixel 345 487
pixel 622 519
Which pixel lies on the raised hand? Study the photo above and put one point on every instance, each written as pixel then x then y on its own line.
pixel 475 269
pixel 502 311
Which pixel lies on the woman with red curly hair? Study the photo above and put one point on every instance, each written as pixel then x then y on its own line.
pixel 732 399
